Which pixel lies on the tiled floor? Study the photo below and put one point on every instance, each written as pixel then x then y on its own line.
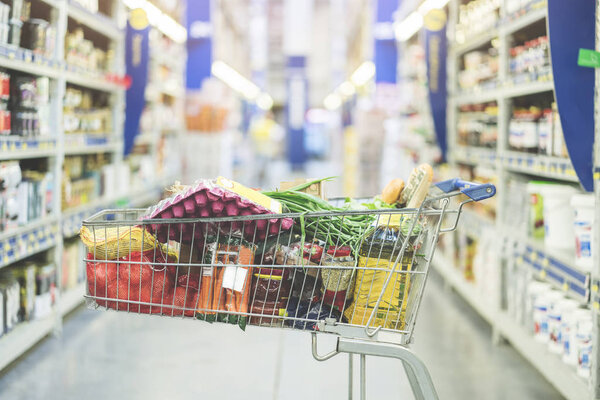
pixel 109 355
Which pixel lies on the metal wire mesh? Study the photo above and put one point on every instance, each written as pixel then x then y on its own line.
pixel 355 269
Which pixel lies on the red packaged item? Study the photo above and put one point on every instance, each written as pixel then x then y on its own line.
pixel 140 281
pixel 270 293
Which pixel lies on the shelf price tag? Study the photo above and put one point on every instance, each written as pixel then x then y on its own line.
pixel 565 286
pixel 588 58
pixel 543 274
pixel 594 288
pixel 545 262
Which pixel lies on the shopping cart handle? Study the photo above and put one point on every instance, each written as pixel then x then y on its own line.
pixel 475 191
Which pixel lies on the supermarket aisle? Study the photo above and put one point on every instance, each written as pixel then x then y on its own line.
pixel 120 356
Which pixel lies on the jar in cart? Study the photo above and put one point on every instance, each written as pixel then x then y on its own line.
pixel 584 346
pixel 556 312
pixel 568 332
pixel 583 205
pixel 535 289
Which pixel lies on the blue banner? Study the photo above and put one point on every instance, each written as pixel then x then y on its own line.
pixel 436 51
pixel 199 44
pixel 571 26
pixel 136 68
pixel 297 94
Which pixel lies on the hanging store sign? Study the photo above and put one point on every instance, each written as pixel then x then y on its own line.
pixel 136 67
pixel 571 26
pixel 436 50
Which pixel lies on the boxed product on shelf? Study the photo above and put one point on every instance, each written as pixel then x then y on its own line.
pixel 531 60
pixel 82 179
pixel 72 267
pixel 86 112
pixel 24 273
pixel 29 102
pixel 81 52
pixel 476 17
pixel 10 302
pixel 25 194
pixel 45 290
pixel 536 129
pixel 478 125
pixel 480 69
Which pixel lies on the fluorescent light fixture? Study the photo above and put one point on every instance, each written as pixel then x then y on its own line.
pixel 332 101
pixel 264 101
pixel 429 5
pixel 159 20
pixel 346 89
pixel 408 27
pixel 363 73
pixel 235 80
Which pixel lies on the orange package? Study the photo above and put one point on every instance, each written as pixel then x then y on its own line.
pixel 225 286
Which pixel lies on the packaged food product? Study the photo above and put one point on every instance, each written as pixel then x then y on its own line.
pixel 144 280
pixel 113 243
pixel 225 286
pixel 337 282
pixel 584 346
pixel 583 205
pixel 218 198
pixel 25 275
pixel 377 256
pixel 417 186
pixel 305 313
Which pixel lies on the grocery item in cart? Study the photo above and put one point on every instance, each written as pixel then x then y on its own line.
pixel 115 242
pixel 216 198
pixel 300 311
pixel 337 282
pixel 417 186
pixel 378 254
pixel 269 294
pixel 138 277
pixel 225 285
pixel 393 190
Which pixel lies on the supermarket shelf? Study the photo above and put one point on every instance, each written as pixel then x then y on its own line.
pixel 71 299
pixel 474 223
pixel 16 148
pixel 478 96
pixel 560 375
pixel 99 23
pixel 91 81
pixel 23 337
pixel 91 149
pixel 525 89
pixel 532 16
pixel 564 276
pixel 17 244
pixel 473 43
pixel 545 166
pixel 475 155
pixel 595 295
pixel 24 60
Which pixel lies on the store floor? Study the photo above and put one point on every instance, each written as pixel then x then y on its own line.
pixel 109 355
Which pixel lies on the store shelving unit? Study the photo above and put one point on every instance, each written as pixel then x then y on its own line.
pixel 47 234
pixel 555 267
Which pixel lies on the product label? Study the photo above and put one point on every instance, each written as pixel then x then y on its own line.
pixel 250 194
pixel 234 278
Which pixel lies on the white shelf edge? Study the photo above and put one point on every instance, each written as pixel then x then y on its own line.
pixel 503 91
pixel 100 25
pixel 22 338
pixel 29 67
pixel 91 149
pixel 473 43
pixel 560 375
pixel 91 82
pixel 23 154
pixel 71 299
pixel 38 223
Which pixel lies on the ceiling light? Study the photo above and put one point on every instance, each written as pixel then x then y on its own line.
pixel 363 74
pixel 346 89
pixel 264 101
pixel 332 101
pixel 408 27
pixel 235 80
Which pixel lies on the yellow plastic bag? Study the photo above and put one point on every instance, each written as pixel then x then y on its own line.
pixel 112 243
pixel 369 285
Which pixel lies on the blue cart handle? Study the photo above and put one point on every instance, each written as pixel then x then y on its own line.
pixel 475 191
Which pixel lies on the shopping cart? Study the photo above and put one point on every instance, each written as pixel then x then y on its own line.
pixel 358 274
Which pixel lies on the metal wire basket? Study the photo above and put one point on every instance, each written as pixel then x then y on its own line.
pixel 359 274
